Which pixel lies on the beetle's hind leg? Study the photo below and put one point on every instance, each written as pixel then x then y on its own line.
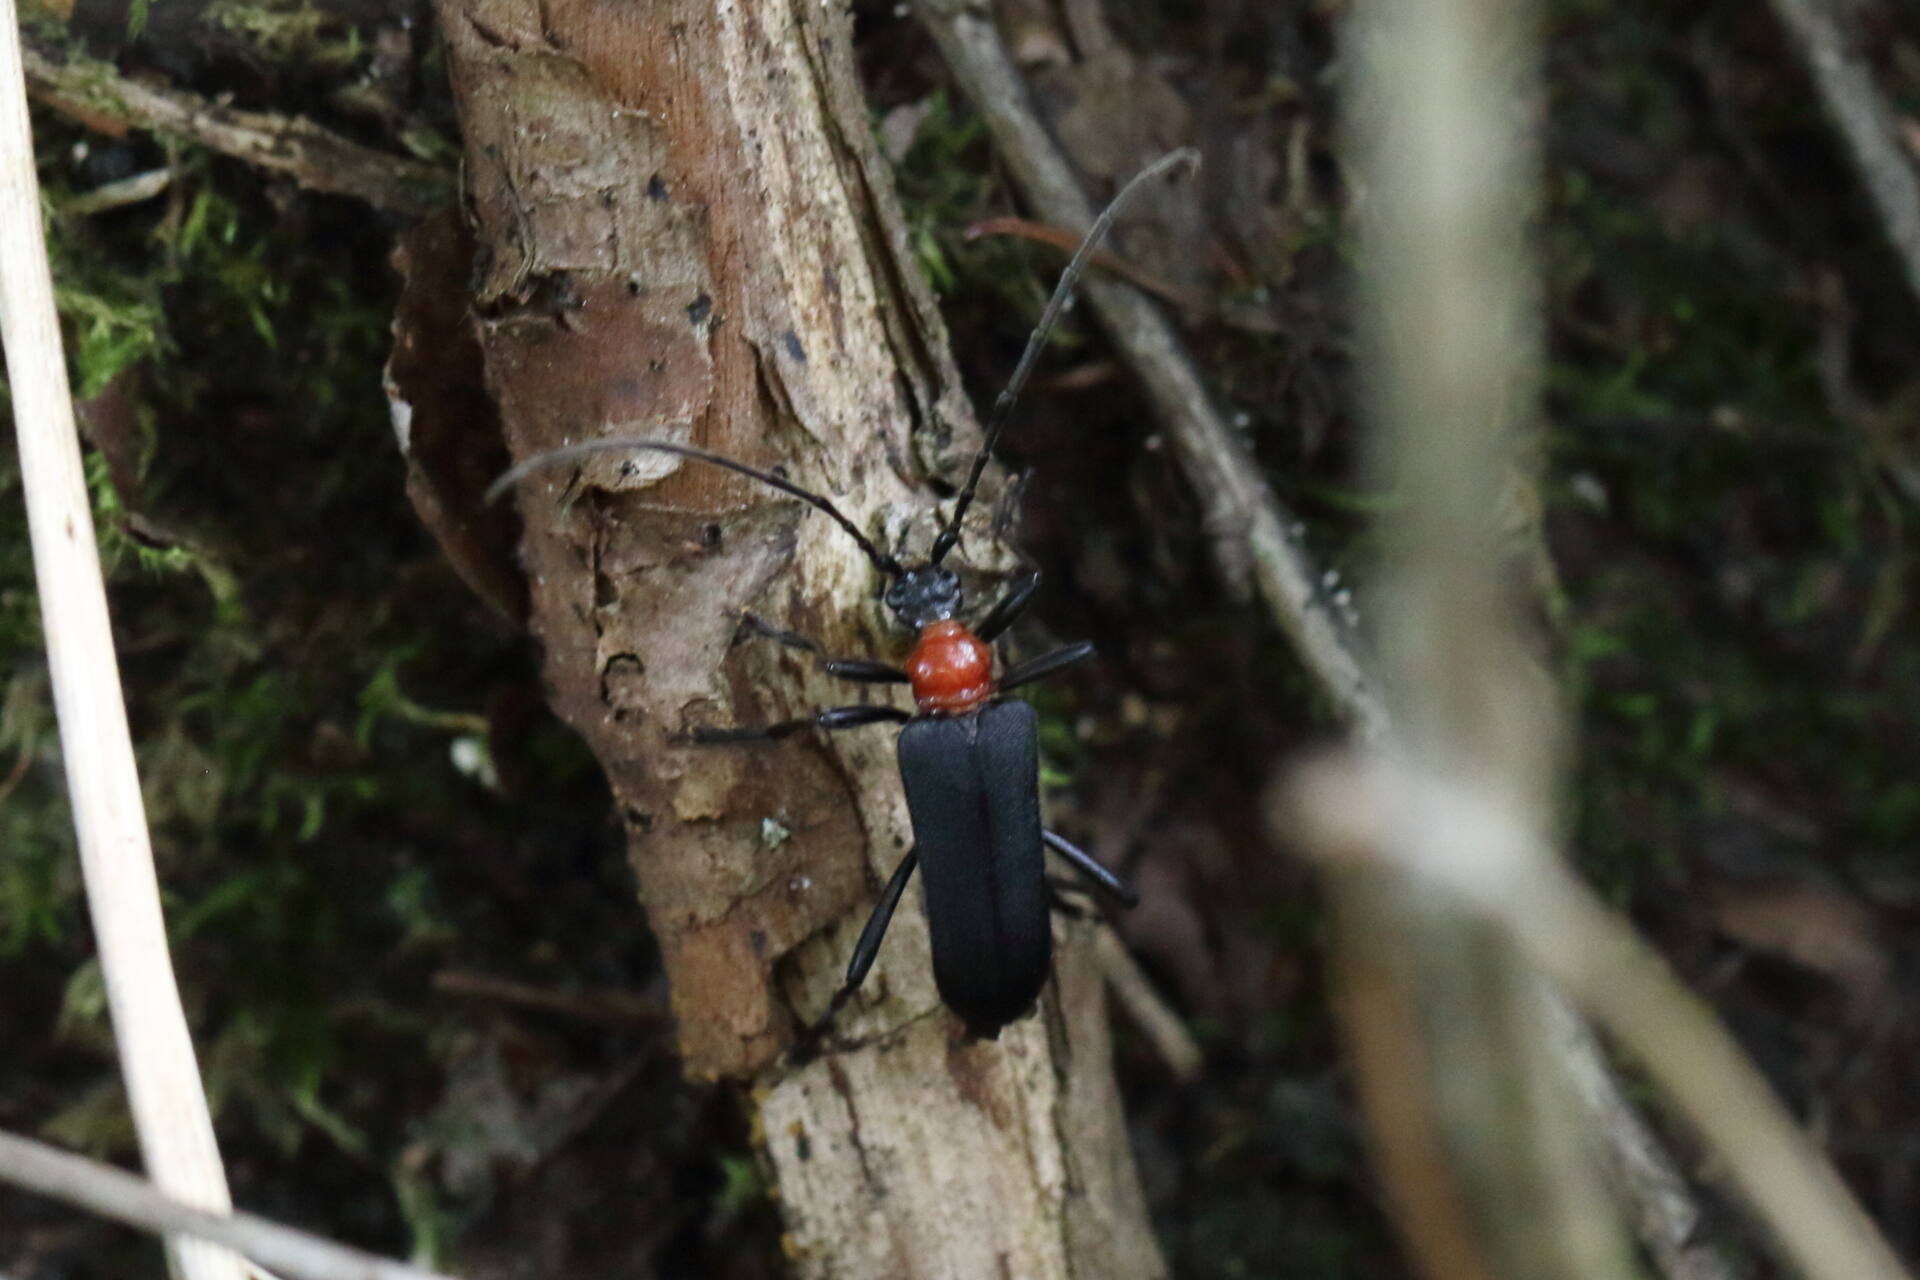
pixel 831 718
pixel 861 670
pixel 1090 870
pixel 865 951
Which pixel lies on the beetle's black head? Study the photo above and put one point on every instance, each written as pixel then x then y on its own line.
pixel 923 594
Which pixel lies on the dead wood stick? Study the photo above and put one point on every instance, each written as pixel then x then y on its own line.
pixel 1156 1019
pixel 119 1195
pixel 116 859
pixel 96 95
pixel 1250 529
pixel 736 236
pixel 1845 83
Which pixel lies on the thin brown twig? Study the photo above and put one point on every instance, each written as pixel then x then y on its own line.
pixel 1134 991
pixel 18 773
pixel 1105 259
pixel 588 1006
pixel 96 95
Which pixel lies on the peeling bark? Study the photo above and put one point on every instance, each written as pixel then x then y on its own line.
pixel 684 231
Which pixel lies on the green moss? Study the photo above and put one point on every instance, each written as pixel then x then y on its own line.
pixel 284 626
pixel 287 32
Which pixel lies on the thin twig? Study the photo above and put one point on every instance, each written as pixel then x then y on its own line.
pixel 1846 86
pixel 1105 259
pixel 93 93
pixel 117 1194
pixel 1249 527
pixel 1666 1217
pixel 1156 1020
pixel 588 1006
pixel 116 859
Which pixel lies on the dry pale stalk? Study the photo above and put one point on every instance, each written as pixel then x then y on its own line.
pixel 114 1193
pixel 1445 164
pixel 116 859
pixel 1488 865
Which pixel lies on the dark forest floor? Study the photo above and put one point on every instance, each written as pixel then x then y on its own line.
pixel 426 1003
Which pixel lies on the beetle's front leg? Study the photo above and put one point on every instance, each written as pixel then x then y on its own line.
pixel 1009 607
pixel 1045 665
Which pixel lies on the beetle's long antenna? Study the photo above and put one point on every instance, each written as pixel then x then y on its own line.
pixel 1062 293
pixel 885 563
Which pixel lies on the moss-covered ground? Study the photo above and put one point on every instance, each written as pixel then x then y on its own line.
pixel 367 824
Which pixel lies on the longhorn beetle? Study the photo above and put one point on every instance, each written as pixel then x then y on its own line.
pixel 969 760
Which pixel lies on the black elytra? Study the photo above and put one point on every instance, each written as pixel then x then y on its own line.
pixel 970 783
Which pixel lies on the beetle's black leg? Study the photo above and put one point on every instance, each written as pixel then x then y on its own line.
pixel 865 951
pixel 832 718
pixel 1045 665
pixel 865 671
pixel 1083 862
pixel 761 627
pixel 861 670
pixel 1009 607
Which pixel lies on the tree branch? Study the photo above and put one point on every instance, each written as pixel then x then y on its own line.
pixel 93 93
pixel 1846 86
pixel 684 231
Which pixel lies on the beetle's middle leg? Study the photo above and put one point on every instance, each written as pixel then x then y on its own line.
pixel 862 670
pixel 1083 862
pixel 831 718
pixel 865 951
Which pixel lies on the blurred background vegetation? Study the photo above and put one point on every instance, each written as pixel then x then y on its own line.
pixel 427 1005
